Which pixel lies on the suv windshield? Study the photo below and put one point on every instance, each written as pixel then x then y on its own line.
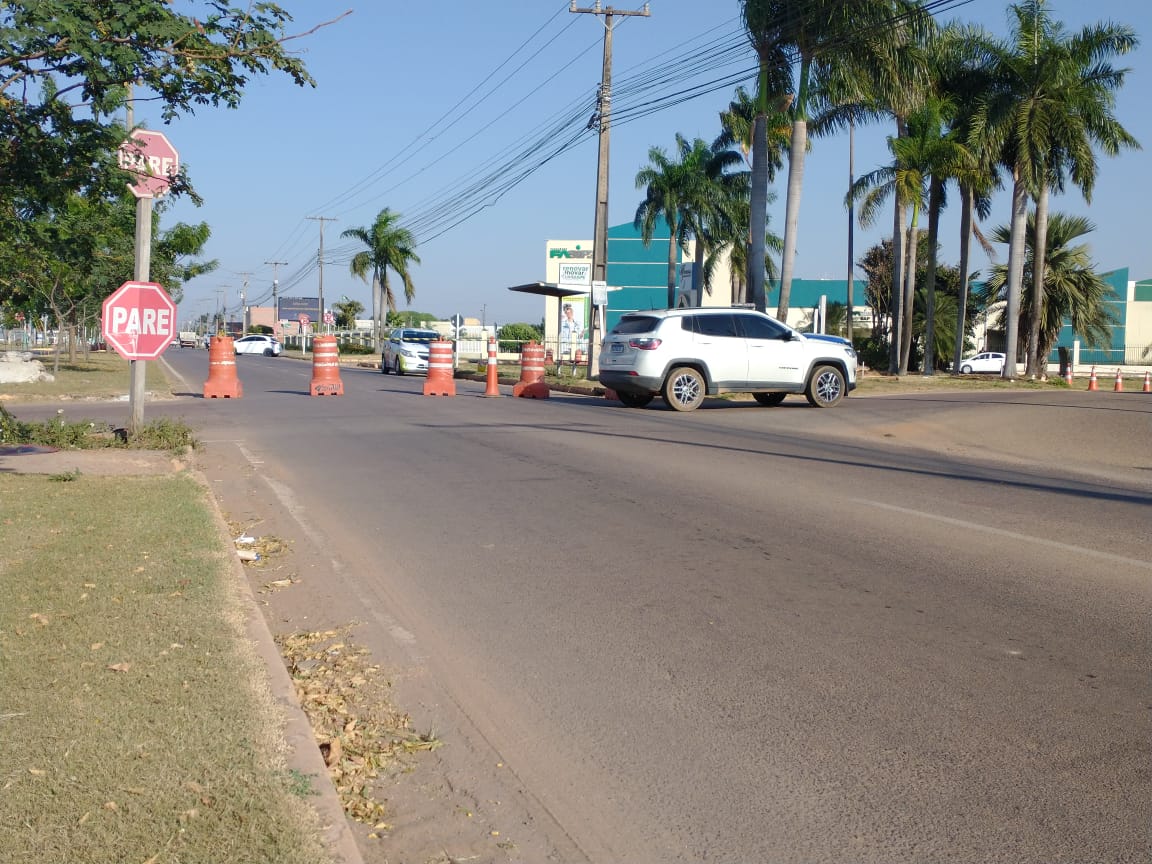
pixel 631 324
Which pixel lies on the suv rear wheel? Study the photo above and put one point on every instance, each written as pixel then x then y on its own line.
pixel 684 389
pixel 769 398
pixel 825 387
pixel 635 400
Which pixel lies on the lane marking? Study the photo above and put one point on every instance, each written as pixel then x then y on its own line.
pixel 1013 535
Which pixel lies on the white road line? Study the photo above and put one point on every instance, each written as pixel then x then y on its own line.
pixel 1013 535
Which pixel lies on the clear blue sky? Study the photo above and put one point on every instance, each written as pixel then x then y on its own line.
pixel 403 117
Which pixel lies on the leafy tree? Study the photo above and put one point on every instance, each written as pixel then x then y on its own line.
pixel 347 311
pixel 1073 290
pixel 512 336
pixel 59 55
pixel 390 247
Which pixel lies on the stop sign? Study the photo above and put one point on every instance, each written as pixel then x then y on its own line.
pixel 152 158
pixel 139 320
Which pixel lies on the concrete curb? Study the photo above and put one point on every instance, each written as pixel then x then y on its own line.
pixel 303 754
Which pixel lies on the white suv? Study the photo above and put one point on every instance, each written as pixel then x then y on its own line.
pixel 685 354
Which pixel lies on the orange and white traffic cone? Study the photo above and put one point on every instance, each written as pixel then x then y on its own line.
pixel 493 379
pixel 1092 380
pixel 1068 375
pixel 1147 388
pixel 1118 387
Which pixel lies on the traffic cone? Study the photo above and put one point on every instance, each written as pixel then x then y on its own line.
pixel 1068 375
pixel 1119 386
pixel 440 380
pixel 1092 380
pixel 1147 388
pixel 531 384
pixel 222 382
pixel 326 367
pixel 493 382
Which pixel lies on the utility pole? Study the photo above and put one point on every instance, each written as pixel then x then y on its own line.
pixel 276 265
pixel 320 260
pixel 600 226
pixel 244 301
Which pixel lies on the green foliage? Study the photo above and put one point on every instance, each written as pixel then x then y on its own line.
pixel 872 351
pixel 512 336
pixel 347 311
pixel 60 55
pixel 389 247
pixel 163 434
pixel 355 348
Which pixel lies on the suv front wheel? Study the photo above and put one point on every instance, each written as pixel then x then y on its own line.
pixel 825 387
pixel 684 389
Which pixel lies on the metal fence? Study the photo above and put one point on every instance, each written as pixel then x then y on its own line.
pixel 1131 356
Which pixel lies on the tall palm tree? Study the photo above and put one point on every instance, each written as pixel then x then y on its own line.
pixel 390 247
pixel 1053 101
pixel 924 155
pixel 1073 290
pixel 819 35
pixel 694 194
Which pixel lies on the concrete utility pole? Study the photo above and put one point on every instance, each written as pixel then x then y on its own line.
pixel 600 226
pixel 276 265
pixel 320 260
pixel 244 301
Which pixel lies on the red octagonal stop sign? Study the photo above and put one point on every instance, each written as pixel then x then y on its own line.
pixel 139 320
pixel 152 158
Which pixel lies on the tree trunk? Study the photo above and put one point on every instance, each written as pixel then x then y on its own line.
pixel 909 292
pixel 896 301
pixel 792 214
pixel 377 325
pixel 758 215
pixel 1037 356
pixel 1015 276
pixel 935 205
pixel 671 266
pixel 966 205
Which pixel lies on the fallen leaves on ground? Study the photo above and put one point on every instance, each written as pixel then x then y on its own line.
pixel 358 731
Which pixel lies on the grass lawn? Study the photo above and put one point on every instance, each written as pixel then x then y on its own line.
pixel 134 724
pixel 100 375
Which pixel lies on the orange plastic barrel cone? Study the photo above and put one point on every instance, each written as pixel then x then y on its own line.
pixel 1092 385
pixel 440 379
pixel 222 382
pixel 1118 387
pixel 493 376
pixel 531 384
pixel 1147 388
pixel 326 367
pixel 1068 376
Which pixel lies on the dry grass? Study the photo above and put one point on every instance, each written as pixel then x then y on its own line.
pixel 99 375
pixel 133 723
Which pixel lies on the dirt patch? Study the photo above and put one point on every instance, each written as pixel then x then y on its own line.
pixel 98 463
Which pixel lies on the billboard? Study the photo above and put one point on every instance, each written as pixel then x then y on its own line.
pixel 291 308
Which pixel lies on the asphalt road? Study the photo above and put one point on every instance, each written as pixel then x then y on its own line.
pixel 908 629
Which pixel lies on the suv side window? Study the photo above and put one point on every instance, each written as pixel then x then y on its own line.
pixel 756 327
pixel 714 325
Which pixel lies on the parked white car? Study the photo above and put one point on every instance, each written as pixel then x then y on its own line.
pixel 988 362
pixel 684 355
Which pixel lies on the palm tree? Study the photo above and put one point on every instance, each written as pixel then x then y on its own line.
pixel 921 159
pixel 1073 291
pixel 820 35
pixel 390 246
pixel 695 196
pixel 1053 101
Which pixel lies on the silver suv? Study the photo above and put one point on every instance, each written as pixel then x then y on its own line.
pixel 685 354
